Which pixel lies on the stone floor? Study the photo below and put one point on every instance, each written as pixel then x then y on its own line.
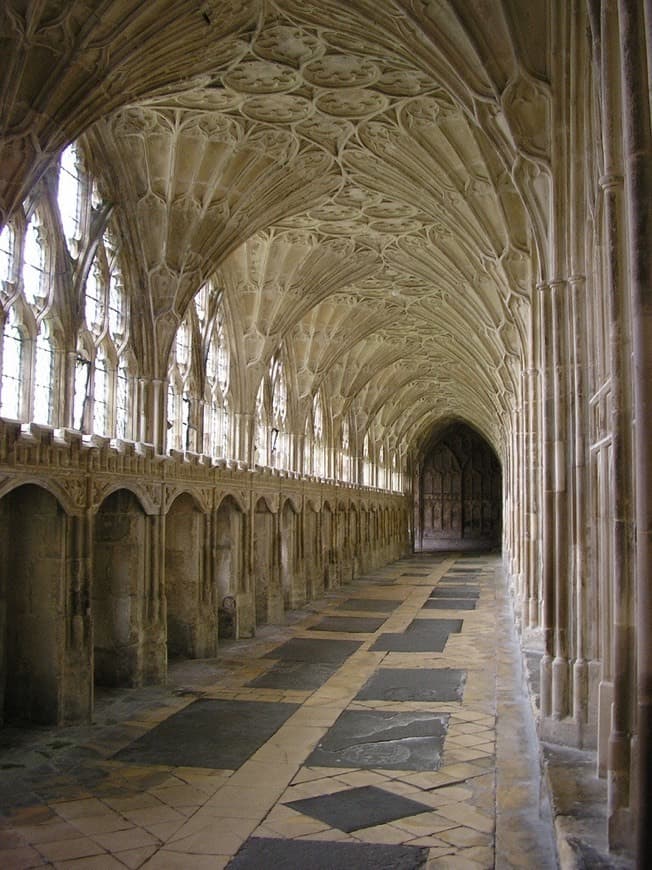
pixel 384 726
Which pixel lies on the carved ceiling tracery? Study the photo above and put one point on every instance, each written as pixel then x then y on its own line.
pixel 366 181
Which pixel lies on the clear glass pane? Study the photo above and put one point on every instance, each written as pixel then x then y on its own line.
pixel 12 370
pixel 122 402
pixel 7 247
pixel 82 370
pixel 183 344
pixel 116 303
pixel 69 195
pixel 101 396
pixel 43 380
pixel 33 262
pixel 94 300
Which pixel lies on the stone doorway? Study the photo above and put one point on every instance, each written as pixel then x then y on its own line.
pixel 459 492
pixel 31 602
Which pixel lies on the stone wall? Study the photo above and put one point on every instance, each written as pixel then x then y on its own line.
pixel 115 558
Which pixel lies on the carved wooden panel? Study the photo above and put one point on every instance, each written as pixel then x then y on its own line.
pixel 461 489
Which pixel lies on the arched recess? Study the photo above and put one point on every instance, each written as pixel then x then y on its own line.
pixel 327 546
pixel 459 492
pixel 121 548
pixel 293 583
pixel 267 588
pixel 354 546
pixel 191 612
pixel 342 554
pixel 229 566
pixel 33 547
pixel 364 539
pixel 312 561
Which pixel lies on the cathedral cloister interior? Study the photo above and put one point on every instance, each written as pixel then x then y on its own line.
pixel 298 297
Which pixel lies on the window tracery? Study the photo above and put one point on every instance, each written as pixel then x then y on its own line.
pixel 279 434
pixel 69 196
pixel 11 388
pixel 217 419
pixel 318 462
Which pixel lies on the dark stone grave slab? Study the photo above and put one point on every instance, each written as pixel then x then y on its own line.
pixel 449 604
pixel 356 808
pixel 371 605
pixel 422 635
pixel 414 574
pixel 302 676
pixel 414 684
pixel 374 581
pixel 307 649
pixel 380 739
pixel 455 592
pixel 259 852
pixel 209 733
pixel 367 624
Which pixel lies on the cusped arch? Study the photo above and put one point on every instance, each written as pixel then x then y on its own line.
pixel 148 504
pixel 65 499
pixel 293 500
pixel 268 502
pixel 234 498
pixel 173 495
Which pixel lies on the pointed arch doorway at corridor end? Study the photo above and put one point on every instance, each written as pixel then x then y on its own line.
pixel 458 492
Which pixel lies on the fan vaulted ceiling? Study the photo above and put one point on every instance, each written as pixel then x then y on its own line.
pixel 367 181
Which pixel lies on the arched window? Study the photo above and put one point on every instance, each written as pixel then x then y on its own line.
pixel 217 423
pixel 7 254
pixel 11 389
pixel 366 463
pixel 345 454
pixel 94 298
pixel 260 427
pixel 117 303
pixel 83 371
pixel 279 446
pixel 43 387
pixel 69 196
pixel 318 461
pixel 33 272
pixel 101 393
pixel 182 346
pixel 182 394
pixel 122 403
pixel 174 417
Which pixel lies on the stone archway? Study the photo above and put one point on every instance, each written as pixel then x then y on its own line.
pixel 459 492
pixel 292 584
pixel 191 617
pixel 121 555
pixel 32 620
pixel 229 568
pixel 267 588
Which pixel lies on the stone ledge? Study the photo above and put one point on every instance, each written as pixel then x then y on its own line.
pixel 579 807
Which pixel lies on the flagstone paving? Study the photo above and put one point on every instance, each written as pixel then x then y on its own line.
pixel 384 743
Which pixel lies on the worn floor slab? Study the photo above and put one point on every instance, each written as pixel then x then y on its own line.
pixel 428 735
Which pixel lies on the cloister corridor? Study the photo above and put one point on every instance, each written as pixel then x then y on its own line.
pixel 325 413
pixel 385 724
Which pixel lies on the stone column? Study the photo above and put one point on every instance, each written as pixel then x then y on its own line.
pixel 78 678
pixel 577 288
pixel 152 393
pixel 636 50
pixel 560 665
pixel 622 640
pixel 242 438
pixel 548 515
pixel 154 655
